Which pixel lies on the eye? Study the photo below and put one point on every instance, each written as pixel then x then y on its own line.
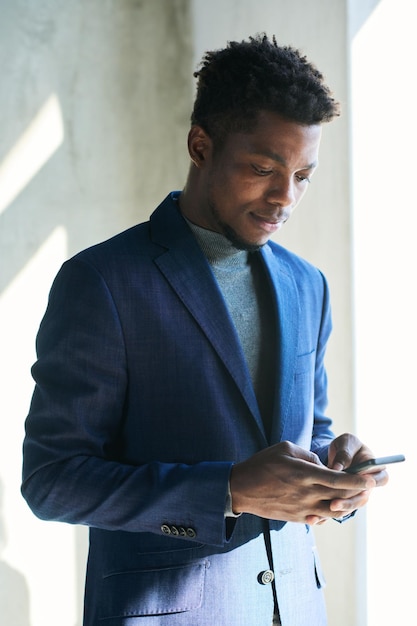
pixel 302 179
pixel 260 171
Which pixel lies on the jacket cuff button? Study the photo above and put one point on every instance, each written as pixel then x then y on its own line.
pixel 191 533
pixel 166 529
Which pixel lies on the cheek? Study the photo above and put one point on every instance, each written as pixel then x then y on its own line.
pixel 231 193
pixel 300 193
pixel 226 192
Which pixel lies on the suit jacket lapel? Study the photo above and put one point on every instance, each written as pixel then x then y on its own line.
pixel 287 313
pixel 188 272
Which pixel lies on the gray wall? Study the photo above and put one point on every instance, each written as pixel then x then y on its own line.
pixel 121 71
pixel 116 79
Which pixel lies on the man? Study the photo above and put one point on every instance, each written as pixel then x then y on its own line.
pixel 179 407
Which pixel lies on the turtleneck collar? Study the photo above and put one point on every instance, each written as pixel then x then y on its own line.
pixel 217 248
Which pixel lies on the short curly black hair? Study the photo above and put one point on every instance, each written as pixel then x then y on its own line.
pixel 237 82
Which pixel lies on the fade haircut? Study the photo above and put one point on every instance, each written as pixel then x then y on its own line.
pixel 236 83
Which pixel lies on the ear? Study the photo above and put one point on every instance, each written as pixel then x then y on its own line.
pixel 199 146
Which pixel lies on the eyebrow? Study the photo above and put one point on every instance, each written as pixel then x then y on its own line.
pixel 277 157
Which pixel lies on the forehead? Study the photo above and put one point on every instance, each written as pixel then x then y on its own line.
pixel 279 139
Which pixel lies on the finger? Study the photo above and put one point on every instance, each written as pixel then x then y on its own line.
pixel 344 449
pixel 341 480
pixel 347 505
pixel 341 451
pixel 315 520
pixel 289 449
pixel 380 476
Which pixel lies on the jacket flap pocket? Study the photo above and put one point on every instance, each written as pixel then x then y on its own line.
pixel 153 591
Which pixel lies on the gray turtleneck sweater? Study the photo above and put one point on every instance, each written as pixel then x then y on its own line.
pixel 244 284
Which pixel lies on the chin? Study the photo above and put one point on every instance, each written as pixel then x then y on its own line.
pixel 239 242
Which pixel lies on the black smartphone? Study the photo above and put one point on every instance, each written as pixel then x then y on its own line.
pixel 374 464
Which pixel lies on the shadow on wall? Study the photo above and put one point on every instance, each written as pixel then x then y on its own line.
pixel 14 592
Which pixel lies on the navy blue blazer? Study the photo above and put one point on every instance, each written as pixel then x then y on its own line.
pixel 142 403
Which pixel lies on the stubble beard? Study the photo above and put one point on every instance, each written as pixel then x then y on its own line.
pixel 230 234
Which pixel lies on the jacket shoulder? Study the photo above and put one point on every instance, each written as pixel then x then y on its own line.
pixel 141 240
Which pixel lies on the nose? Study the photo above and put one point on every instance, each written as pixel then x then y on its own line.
pixel 281 193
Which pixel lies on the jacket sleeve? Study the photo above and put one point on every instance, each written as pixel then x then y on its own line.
pixel 73 469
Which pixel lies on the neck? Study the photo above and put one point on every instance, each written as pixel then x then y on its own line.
pixel 192 197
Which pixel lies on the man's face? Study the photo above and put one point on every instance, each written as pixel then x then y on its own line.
pixel 250 187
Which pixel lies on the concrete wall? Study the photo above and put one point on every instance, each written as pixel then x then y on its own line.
pixel 95 98
pixel 95 105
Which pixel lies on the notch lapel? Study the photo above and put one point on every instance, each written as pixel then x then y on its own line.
pixel 188 272
pixel 285 295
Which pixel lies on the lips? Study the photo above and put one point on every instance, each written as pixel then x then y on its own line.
pixel 269 220
pixel 268 223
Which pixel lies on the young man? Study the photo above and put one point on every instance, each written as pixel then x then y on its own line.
pixel 179 407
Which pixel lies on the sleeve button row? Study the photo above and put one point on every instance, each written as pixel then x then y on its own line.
pixel 178 531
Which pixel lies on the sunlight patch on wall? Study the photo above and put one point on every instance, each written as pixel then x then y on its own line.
pixel 22 305
pixel 34 148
